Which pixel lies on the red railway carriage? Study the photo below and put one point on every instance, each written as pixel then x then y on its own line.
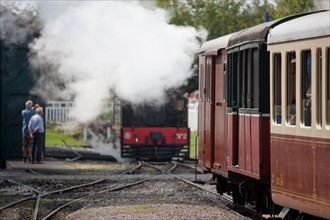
pixel 212 107
pixel 248 136
pixel 300 113
pixel 264 115
pixel 248 102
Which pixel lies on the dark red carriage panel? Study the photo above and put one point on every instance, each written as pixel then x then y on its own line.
pixel 241 142
pixel 256 147
pixel 232 140
pixel 201 110
pixel 253 146
pixel 249 134
pixel 206 156
pixel 264 127
pixel 220 156
pixel 301 173
pixel 155 136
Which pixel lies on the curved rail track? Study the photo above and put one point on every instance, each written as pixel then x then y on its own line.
pixel 98 188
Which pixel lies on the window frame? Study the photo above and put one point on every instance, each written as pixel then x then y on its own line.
pixel 291 96
pixel 277 88
pixel 306 89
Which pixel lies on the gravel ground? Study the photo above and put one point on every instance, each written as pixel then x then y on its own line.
pixel 162 197
pixel 157 200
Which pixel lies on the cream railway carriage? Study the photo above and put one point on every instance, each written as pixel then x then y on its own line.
pixel 300 113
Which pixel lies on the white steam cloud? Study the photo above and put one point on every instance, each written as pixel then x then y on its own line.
pixel 99 47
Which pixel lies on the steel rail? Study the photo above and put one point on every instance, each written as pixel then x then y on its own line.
pixel 99 192
pixel 185 165
pixel 190 182
pixel 16 202
pixel 135 168
pixel 180 178
pixel 62 206
pixel 21 184
pixel 41 195
pixel 73 187
pixel 36 209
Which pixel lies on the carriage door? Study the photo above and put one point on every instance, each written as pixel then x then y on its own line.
pixel 248 121
pixel 220 117
pixel 206 111
pixel 243 118
pixel 209 112
pixel 201 111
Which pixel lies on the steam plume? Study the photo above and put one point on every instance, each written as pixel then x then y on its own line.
pixel 95 47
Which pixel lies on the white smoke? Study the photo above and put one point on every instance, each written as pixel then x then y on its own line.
pixel 119 46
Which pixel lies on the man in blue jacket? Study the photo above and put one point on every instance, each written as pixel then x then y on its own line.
pixel 27 113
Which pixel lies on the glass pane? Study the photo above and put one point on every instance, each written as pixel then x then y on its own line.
pixel 306 87
pixel 201 82
pixel 255 79
pixel 241 82
pixel 277 89
pixel 319 87
pixel 328 86
pixel 208 81
pixel 225 81
pixel 291 87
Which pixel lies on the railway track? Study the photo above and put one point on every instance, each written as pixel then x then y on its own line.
pixel 81 192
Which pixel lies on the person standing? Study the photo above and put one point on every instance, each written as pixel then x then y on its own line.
pixel 27 113
pixel 36 128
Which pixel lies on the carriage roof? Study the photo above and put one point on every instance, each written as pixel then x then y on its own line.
pixel 259 32
pixel 211 47
pixel 309 26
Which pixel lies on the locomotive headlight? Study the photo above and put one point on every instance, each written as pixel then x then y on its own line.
pixel 136 139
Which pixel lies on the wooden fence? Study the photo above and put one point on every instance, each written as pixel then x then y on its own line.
pixel 59 112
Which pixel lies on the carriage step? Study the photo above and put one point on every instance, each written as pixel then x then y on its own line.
pixel 281 215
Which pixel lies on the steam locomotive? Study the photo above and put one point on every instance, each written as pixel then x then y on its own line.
pixel 264 115
pixel 152 131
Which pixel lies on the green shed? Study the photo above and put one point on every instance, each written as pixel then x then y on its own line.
pixel 17 81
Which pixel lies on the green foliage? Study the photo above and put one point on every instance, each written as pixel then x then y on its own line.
pixel 221 17
pixel 286 8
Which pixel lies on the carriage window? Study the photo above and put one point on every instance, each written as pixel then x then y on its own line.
pixel 242 79
pixel 306 87
pixel 225 81
pixel 319 87
pixel 327 86
pixel 255 79
pixel 201 82
pixel 291 87
pixel 252 97
pixel 277 117
pixel 208 82
pixel 248 75
pixel 232 81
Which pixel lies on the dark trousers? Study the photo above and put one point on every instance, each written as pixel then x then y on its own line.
pixel 37 147
pixel 27 145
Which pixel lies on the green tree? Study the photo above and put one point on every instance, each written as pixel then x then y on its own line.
pixel 286 8
pixel 221 17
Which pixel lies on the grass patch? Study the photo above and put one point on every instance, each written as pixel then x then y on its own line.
pixel 193 144
pixel 55 134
